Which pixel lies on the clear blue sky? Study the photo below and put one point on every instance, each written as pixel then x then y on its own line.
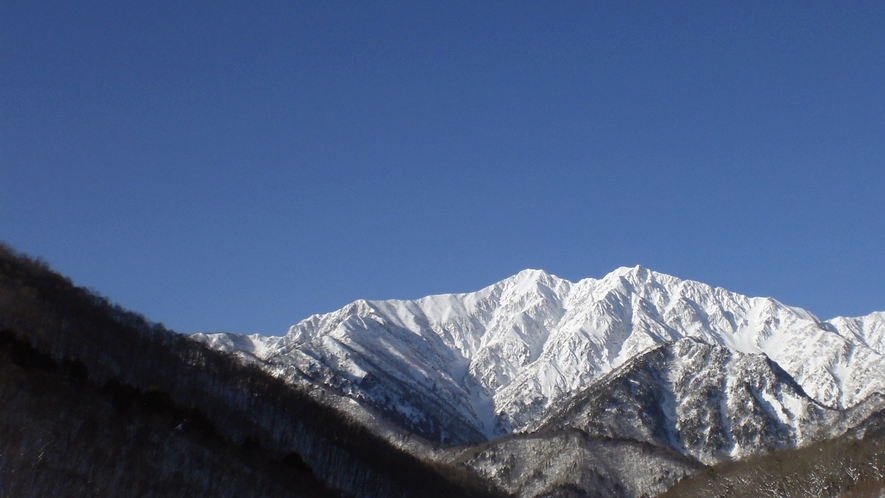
pixel 221 166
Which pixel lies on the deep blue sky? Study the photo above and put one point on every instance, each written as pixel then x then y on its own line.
pixel 219 166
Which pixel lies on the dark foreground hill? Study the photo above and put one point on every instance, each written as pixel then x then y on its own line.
pixel 97 401
pixel 65 436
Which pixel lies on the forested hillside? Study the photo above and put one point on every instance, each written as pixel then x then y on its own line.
pixel 851 466
pixel 97 401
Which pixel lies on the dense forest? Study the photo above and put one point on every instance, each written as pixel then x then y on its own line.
pixel 97 401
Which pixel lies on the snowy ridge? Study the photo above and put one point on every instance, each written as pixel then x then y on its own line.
pixel 468 367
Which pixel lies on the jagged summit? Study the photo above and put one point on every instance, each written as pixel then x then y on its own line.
pixel 471 366
pixel 637 271
pixel 531 274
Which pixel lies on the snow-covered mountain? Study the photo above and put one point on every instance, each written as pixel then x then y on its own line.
pixel 461 368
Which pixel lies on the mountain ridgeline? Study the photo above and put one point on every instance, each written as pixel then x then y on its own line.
pixel 97 401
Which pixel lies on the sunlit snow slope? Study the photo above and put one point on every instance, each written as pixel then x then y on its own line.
pixel 467 367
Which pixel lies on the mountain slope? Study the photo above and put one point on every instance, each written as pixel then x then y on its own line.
pixel 572 463
pixel 852 465
pixel 658 418
pixel 705 402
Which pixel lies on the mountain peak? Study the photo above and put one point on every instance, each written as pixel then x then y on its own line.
pixel 531 278
pixel 637 273
pixel 632 279
pixel 532 274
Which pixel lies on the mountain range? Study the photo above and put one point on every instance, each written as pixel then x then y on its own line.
pixel 675 372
